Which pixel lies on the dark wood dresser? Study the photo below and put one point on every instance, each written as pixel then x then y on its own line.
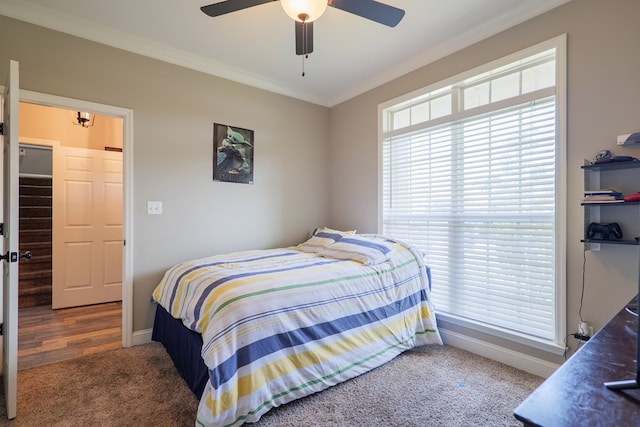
pixel 575 394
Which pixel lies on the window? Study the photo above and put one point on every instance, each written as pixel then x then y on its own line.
pixel 473 175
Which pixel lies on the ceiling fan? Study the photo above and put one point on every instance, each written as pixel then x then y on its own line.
pixel 304 12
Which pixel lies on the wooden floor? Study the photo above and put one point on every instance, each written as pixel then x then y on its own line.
pixel 47 336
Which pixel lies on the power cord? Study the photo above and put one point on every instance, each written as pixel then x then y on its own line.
pixel 565 347
pixel 582 338
pixel 584 268
pixel 577 335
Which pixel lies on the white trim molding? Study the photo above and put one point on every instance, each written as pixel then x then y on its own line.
pixel 142 337
pixel 127 154
pixel 518 360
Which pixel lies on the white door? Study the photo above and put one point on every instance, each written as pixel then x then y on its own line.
pixel 87 227
pixel 10 163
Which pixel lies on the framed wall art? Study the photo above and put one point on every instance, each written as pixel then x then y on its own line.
pixel 232 154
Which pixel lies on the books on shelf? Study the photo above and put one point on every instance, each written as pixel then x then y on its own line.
pixel 603 201
pixel 608 195
pixel 602 198
pixel 603 192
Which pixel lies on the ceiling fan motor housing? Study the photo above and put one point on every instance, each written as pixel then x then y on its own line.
pixel 304 12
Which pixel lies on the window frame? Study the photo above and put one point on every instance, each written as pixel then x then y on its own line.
pixel 556 345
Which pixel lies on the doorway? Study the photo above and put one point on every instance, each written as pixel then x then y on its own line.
pixel 76 261
pixel 102 326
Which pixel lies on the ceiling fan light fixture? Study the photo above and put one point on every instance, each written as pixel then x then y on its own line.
pixel 304 10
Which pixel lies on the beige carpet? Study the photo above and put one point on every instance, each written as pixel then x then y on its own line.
pixel 429 386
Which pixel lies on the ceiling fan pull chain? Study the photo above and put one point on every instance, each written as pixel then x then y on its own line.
pixel 303 58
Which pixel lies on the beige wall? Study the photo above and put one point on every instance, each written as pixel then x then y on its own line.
pixel 174 111
pixel 603 101
pixel 316 166
pixel 40 122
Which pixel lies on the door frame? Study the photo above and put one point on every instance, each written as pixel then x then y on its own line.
pixel 10 218
pixel 127 197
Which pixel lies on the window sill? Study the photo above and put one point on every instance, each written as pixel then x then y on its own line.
pixel 508 339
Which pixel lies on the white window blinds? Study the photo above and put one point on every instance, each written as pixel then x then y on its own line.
pixel 475 190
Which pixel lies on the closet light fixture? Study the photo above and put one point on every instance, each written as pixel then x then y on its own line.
pixel 83 118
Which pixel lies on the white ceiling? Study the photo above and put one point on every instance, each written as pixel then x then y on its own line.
pixel 256 46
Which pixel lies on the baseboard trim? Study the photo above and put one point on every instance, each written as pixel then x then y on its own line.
pixel 142 337
pixel 518 360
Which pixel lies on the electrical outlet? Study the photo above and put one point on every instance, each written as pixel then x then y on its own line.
pixel 154 208
pixel 585 330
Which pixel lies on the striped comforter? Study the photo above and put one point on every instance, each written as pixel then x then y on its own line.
pixel 281 324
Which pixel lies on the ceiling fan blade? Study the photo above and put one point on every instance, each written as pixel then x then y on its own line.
pixel 304 38
pixel 228 6
pixel 370 9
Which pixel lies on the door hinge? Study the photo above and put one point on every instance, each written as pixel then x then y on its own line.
pixel 1 329
pixel 1 128
pixel 1 228
pixel 10 257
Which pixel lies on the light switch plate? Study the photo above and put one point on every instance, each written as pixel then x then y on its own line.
pixel 154 208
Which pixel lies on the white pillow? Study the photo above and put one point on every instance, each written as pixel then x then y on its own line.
pixel 355 248
pixel 321 238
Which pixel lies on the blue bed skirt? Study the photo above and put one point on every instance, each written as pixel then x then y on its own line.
pixel 184 347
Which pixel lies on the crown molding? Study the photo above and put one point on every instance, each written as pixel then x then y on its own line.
pixel 85 29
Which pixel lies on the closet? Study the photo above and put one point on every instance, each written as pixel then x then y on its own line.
pixel 35 229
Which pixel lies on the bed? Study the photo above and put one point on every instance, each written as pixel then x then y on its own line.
pixel 253 330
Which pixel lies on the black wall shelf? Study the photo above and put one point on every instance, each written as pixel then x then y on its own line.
pixel 592 211
pixel 635 203
pixel 612 242
pixel 631 164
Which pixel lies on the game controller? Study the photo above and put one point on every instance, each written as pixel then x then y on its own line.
pixel 605 230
